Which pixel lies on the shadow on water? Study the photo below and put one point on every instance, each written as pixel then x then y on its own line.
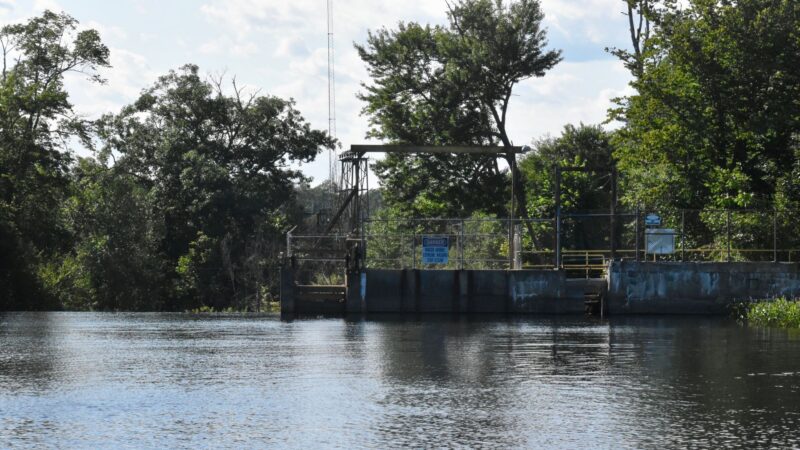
pixel 31 349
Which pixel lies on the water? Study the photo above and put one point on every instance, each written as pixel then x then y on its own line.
pixel 176 381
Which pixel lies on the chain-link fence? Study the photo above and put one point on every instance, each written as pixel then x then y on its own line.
pixel 583 242
pixel 472 243
pixel 318 259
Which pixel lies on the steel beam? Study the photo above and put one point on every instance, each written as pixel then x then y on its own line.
pixel 446 149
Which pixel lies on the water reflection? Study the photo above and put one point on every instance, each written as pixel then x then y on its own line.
pixel 150 380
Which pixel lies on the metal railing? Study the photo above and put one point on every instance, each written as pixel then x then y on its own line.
pixel 317 259
pixel 587 239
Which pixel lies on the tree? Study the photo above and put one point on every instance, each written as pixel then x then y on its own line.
pixel 715 117
pixel 115 263
pixel 640 14
pixel 451 85
pixel 582 146
pixel 217 169
pixel 36 120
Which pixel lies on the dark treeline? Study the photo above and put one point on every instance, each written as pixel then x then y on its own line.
pixel 189 191
pixel 184 204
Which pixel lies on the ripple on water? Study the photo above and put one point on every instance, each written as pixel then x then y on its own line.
pixel 152 380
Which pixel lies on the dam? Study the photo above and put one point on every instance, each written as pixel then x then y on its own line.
pixel 629 288
pixel 602 262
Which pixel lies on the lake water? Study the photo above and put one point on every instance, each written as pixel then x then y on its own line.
pixel 74 380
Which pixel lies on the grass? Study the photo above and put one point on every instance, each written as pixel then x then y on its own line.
pixel 779 313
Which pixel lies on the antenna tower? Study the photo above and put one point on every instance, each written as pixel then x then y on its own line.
pixel 332 156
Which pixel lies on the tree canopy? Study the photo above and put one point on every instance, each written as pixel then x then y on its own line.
pixel 184 205
pixel 36 120
pixel 714 121
pixel 447 85
pixel 216 168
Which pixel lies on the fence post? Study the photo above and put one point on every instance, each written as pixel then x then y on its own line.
pixel 728 232
pixel 510 244
pixel 683 235
pixel 518 247
pixel 461 247
pixel 363 262
pixel 638 232
pixel 613 224
pixel 558 218
pixel 775 235
pixel 414 248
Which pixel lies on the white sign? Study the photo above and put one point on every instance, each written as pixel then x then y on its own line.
pixel 652 220
pixel 660 241
pixel 435 249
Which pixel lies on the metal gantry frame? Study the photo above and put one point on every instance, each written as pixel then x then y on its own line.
pixel 352 206
pixel 353 195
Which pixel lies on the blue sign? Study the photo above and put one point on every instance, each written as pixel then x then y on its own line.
pixel 435 250
pixel 652 220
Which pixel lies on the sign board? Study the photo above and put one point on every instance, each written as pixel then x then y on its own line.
pixel 652 220
pixel 435 249
pixel 660 241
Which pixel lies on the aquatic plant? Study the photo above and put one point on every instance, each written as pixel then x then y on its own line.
pixel 780 313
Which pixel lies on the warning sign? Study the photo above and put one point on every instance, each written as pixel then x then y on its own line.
pixel 435 249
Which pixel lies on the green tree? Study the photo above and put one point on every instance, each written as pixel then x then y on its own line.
pixel 714 119
pixel 217 168
pixel 115 263
pixel 36 119
pixel 451 86
pixel 582 146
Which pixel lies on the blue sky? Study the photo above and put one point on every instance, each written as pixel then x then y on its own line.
pixel 279 48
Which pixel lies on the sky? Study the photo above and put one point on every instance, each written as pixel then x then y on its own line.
pixel 279 48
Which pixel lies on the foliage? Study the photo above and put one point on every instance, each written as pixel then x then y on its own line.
pixel 780 313
pixel 715 116
pixel 394 240
pixel 451 86
pixel 184 206
pixel 216 170
pixel 36 119
pixel 115 263
pixel 582 146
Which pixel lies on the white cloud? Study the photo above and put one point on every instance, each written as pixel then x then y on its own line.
pixel 571 93
pixel 224 45
pixel 105 31
pixel 129 75
pixel 293 46
pixel 52 5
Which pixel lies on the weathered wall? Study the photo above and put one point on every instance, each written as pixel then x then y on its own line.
pixel 695 288
pixel 467 291
pixel 632 288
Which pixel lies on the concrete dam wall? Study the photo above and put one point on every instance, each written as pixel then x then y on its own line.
pixel 630 288
pixel 466 291
pixel 695 288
